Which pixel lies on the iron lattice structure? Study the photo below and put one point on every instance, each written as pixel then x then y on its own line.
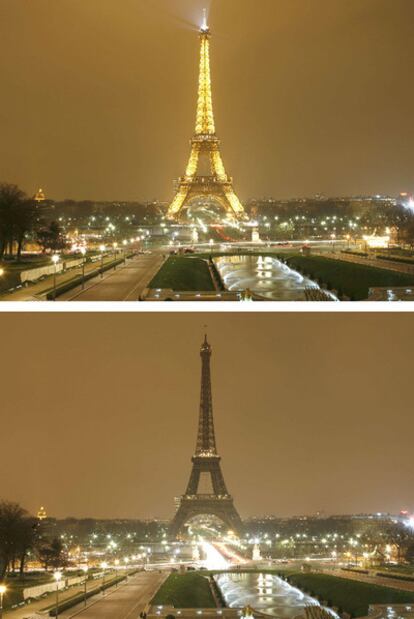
pixel 206 460
pixel 216 185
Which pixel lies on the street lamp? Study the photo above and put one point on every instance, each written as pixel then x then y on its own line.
pixel 3 590
pixel 83 252
pixel 104 565
pixel 85 569
pixel 58 577
pixel 102 249
pixel 55 260
pixel 126 561
pixel 116 562
pixel 115 246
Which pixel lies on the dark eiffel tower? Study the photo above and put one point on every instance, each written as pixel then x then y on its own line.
pixel 206 460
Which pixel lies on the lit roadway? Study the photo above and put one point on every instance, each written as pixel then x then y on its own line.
pixel 126 601
pixel 126 283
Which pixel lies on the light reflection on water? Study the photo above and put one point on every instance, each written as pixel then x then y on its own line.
pixel 265 276
pixel 265 592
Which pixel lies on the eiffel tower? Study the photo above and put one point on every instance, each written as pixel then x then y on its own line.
pixel 206 461
pixel 217 185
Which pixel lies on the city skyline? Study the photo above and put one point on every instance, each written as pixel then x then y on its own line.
pixel 112 107
pixel 315 407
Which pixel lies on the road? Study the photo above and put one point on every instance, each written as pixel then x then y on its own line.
pixel 38 605
pixel 123 602
pixel 38 290
pixel 126 283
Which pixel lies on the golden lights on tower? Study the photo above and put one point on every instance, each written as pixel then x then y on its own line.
pixel 218 185
pixel 205 117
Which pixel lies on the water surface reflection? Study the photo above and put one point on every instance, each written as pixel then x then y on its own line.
pixel 265 276
pixel 265 592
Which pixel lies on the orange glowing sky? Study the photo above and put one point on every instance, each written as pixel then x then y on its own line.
pixel 312 411
pixel 310 95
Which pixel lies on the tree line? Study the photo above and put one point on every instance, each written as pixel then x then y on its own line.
pixel 20 220
pixel 21 536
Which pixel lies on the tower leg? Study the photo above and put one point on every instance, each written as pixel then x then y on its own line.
pixel 178 202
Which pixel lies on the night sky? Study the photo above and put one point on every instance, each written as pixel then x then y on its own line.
pixel 98 96
pixel 312 411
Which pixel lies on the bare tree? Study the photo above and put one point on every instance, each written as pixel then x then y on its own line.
pixel 52 237
pixel 52 553
pixel 17 217
pixel 24 222
pixel 27 540
pixel 13 521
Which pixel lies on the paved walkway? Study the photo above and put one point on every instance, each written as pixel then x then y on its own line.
pixel 402 585
pixel 124 602
pixel 37 291
pixel 127 283
pixel 388 265
pixel 37 605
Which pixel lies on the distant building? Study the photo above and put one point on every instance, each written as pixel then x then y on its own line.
pixel 40 196
pixel 41 514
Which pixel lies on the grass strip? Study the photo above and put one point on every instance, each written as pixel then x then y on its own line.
pixel 183 274
pixel 352 280
pixel 351 596
pixel 190 590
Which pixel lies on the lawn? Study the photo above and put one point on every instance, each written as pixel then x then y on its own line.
pixel 353 280
pixel 349 595
pixel 188 590
pixel 183 274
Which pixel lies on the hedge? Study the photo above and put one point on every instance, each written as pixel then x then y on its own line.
pixel 396 576
pixel 395 259
pixel 77 281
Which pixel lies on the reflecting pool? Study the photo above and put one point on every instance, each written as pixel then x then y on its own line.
pixel 265 276
pixel 265 592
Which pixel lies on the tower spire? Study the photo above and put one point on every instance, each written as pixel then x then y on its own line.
pixel 205 117
pixel 206 441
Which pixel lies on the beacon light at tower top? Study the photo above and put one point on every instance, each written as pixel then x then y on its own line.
pixel 204 25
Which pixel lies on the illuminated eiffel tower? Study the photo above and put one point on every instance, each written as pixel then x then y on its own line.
pixel 217 184
pixel 206 463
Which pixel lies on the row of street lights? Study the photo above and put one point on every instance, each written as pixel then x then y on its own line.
pixel 83 251
pixel 57 575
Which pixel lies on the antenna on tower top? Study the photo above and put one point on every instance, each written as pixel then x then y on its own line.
pixel 204 26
